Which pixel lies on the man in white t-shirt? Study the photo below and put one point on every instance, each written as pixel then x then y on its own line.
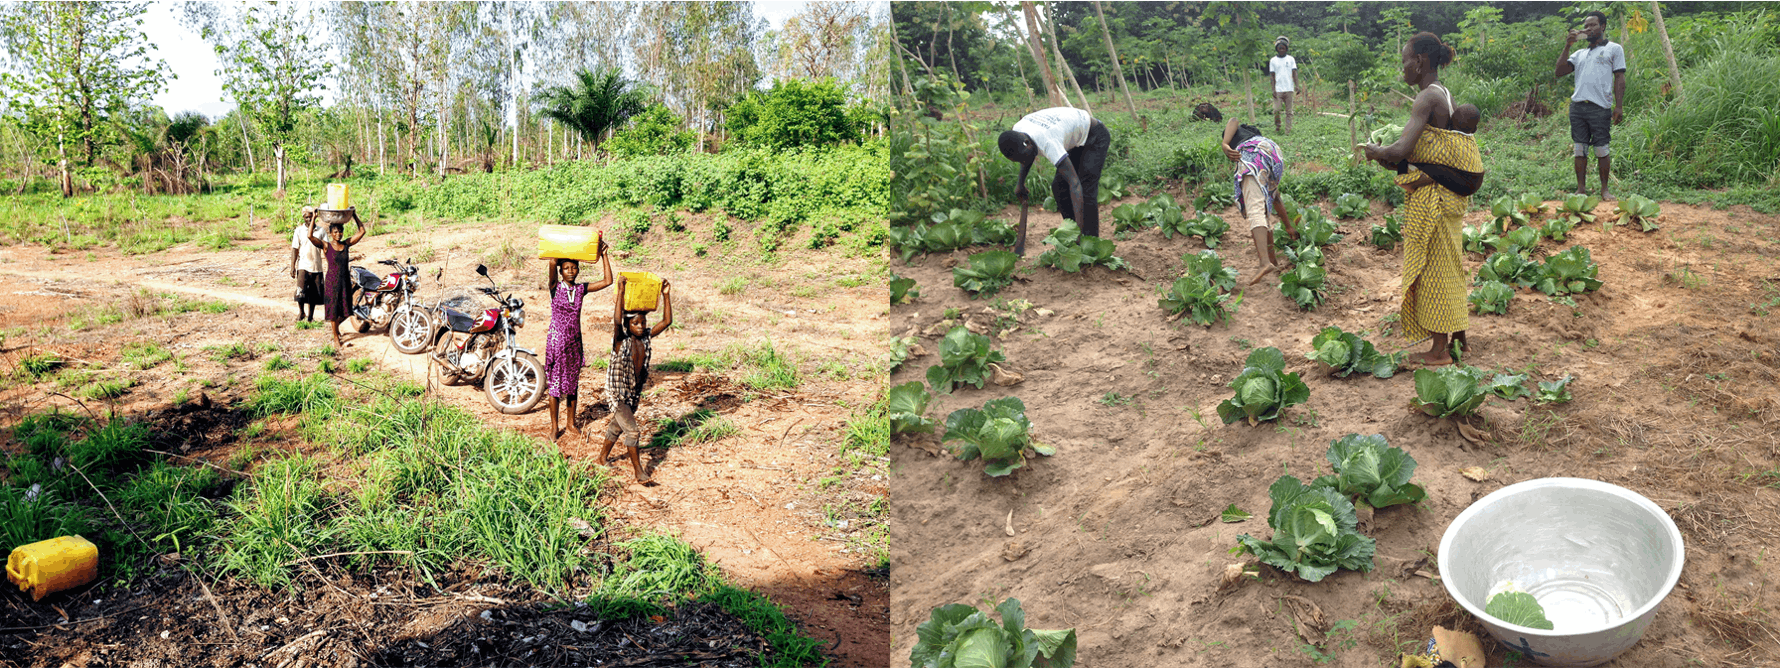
pixel 306 265
pixel 1074 142
pixel 1285 84
pixel 1597 105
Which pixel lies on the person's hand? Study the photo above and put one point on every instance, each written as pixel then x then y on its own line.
pixel 1372 152
pixel 666 288
pixel 1229 153
pixel 1572 37
pixel 293 272
pixel 1618 116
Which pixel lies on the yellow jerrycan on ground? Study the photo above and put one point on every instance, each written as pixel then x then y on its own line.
pixel 337 197
pixel 49 566
pixel 569 242
pixel 642 290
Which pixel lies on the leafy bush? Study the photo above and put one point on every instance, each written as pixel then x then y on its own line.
pixel 1198 297
pixel 1304 285
pixel 1491 297
pixel 1315 532
pixel 1209 199
pixel 903 290
pixel 1449 391
pixel 1072 251
pixel 908 409
pixel 1344 354
pixel 1554 391
pixel 1569 272
pixel 1640 210
pixel 1312 226
pixel 964 358
pixel 999 433
pixel 793 113
pixel 1352 206
pixel 1263 389
pixel 1367 469
pixel 1389 233
pixel 1208 263
pixel 656 131
pixel 960 635
pixel 988 273
pixel 1510 268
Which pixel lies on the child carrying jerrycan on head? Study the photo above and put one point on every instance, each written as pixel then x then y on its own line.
pixel 628 372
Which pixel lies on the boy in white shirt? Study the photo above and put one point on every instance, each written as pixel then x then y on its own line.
pixel 1074 142
pixel 1285 84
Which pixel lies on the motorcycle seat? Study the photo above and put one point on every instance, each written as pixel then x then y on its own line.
pixel 458 321
pixel 366 279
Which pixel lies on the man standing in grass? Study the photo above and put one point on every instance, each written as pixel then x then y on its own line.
pixel 1285 84
pixel 1600 72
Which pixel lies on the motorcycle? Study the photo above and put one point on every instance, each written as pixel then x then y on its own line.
pixel 471 347
pixel 388 302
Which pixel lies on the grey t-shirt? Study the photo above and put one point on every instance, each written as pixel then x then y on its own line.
pixel 1594 73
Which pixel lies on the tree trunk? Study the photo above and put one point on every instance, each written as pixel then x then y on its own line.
pixel 908 86
pixel 1035 42
pixel 1021 64
pixel 1668 49
pixel 382 143
pixel 278 155
pixel 513 68
pixel 1051 26
pixel 67 181
pixel 245 140
pixel 1118 68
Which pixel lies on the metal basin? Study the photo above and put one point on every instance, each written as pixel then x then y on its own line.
pixel 1598 557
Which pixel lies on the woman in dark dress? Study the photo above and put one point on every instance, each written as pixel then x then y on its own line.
pixel 337 285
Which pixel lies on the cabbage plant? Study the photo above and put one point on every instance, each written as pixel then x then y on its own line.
pixel 1345 353
pixel 1304 284
pixel 1208 263
pixel 1200 299
pixel 964 359
pixel 1263 389
pixel 1350 206
pixel 988 273
pixel 1368 469
pixel 1554 391
pixel 960 636
pixel 1315 532
pixel 1389 233
pixel 1509 386
pixel 1071 251
pixel 908 409
pixel 1511 268
pixel 999 433
pixel 1639 209
pixel 1449 391
pixel 1569 272
pixel 903 290
pixel 1491 297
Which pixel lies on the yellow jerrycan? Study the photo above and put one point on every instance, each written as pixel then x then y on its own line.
pixel 642 290
pixel 569 241
pixel 49 566
pixel 337 199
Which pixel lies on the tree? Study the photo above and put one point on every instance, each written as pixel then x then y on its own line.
pixel 656 131
pixel 1656 12
pixel 794 113
pixel 697 55
pixel 594 103
pixel 272 66
pixel 76 65
pixel 1117 68
pixel 1035 40
pixel 823 40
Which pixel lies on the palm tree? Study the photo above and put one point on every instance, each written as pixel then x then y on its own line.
pixel 593 103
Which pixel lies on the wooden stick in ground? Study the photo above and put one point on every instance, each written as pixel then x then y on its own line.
pixel 1020 234
pixel 220 615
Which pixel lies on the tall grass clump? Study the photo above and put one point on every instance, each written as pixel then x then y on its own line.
pixel 312 394
pixel 1726 129
pixel 278 520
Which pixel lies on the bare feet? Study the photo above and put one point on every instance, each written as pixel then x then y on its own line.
pixel 1428 359
pixel 574 430
pixel 1605 197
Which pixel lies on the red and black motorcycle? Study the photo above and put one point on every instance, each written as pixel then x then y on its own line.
pixel 476 343
pixel 388 302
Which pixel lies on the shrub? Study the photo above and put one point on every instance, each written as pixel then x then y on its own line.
pixel 793 113
pixel 656 131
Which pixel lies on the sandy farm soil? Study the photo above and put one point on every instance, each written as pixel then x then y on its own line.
pixel 1118 534
pixel 753 503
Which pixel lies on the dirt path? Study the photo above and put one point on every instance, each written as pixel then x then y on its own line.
pixel 1118 535
pixel 775 505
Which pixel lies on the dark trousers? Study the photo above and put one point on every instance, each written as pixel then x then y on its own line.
pixel 1088 160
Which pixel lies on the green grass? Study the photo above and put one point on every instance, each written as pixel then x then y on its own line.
pixel 305 395
pixel 145 354
pixel 732 286
pixel 40 365
pixel 767 368
pixel 700 426
pixel 308 324
pixel 224 354
pixel 360 364
pixel 107 389
pixel 279 363
pixel 868 432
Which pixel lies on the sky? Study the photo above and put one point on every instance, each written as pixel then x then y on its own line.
pixel 194 61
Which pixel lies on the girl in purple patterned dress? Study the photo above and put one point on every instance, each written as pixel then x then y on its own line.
pixel 562 346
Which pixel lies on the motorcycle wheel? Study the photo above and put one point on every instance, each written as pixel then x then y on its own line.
pixel 444 377
pixel 408 332
pixel 515 384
